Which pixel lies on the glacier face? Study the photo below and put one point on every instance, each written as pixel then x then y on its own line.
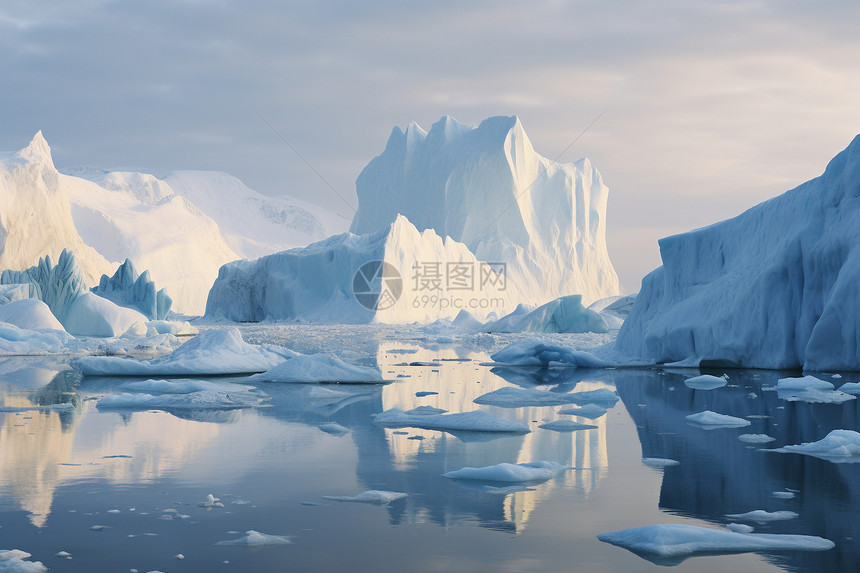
pixel 775 287
pixel 486 187
pixel 342 280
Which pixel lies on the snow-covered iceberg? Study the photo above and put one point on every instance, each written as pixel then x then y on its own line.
pixel 133 290
pixel 216 351
pixel 775 287
pixel 486 187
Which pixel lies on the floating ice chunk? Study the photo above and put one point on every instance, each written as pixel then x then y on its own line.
pixel 740 527
pixel 762 516
pixel 333 428
pixel 61 555
pixel 850 387
pixel 566 426
pixel 256 539
pixel 216 351
pixel 528 472
pixel 15 561
pixel 590 411
pixel 706 382
pixel 511 397
pixel 756 438
pixel 783 494
pixel 99 527
pixel 179 556
pixel 202 400
pixel 372 497
pixel 211 501
pixel 538 353
pixel 810 389
pixel 839 446
pixel 660 462
pixel 320 368
pixel 658 542
pixel 711 421
pixel 477 421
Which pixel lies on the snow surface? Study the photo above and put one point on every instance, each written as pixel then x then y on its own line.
pixel 256 539
pixel 486 187
pixel 312 368
pixel 678 540
pixel 372 497
pixel 512 397
pixel 775 287
pixel 216 351
pixel 564 314
pixel 506 472
pixel 711 420
pixel 477 421
pixel 839 446
pixel 810 389
pixel 136 291
pixel 706 382
pixel 30 314
pixel 531 352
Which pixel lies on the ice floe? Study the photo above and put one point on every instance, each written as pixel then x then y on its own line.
pixel 762 516
pixel 371 497
pixel 706 382
pixel 211 502
pixel 539 353
pixel 200 400
pixel 314 368
pixel 756 438
pixel 711 421
pixel 511 397
pixel 566 426
pixel 256 539
pixel 506 472
pixel 216 351
pixel 476 421
pixel 839 446
pixel 810 389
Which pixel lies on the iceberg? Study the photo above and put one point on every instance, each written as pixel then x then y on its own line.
pixel 316 368
pixel 659 542
pixel 539 353
pixel 706 382
pixel 564 314
pixel 16 561
pixel 506 472
pixel 510 397
pixel 839 446
pixel 58 286
pixel 487 188
pixel 92 315
pixel 776 287
pixel 217 351
pixel 256 539
pixel 762 516
pixel 566 426
pixel 372 497
pixel 199 400
pixel 708 420
pixel 477 421
pixel 30 314
pixel 756 438
pixel 810 389
pixel 137 291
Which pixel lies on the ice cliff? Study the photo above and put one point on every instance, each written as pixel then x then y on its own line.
pixel 487 188
pixel 775 287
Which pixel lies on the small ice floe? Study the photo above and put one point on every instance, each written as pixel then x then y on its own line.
pixel 706 382
pixel 211 501
pixel 836 376
pixel 505 472
pixel 202 400
pixel 752 395
pixel 740 527
pixel 333 428
pixel 512 397
pixel 783 494
pixel 113 511
pixel 668 544
pixel 850 387
pixel 60 554
pixel 372 497
pixel 16 561
pixel 99 527
pixel 811 389
pixel 539 353
pixel 762 516
pixel 566 426
pixel 256 539
pixel 320 368
pixel 216 351
pixel 660 463
pixel 756 438
pixel 477 421
pixel 179 556
pixel 708 420
pixel 839 446
pixel 590 411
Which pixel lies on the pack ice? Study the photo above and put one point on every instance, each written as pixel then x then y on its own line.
pixel 775 287
pixel 487 188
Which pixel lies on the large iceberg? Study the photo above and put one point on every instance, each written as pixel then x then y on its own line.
pixel 130 289
pixel 564 314
pixel 775 287
pixel 358 279
pixel 487 188
pixel 58 285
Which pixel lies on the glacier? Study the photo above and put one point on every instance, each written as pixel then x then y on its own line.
pixel 776 287
pixel 130 289
pixel 487 188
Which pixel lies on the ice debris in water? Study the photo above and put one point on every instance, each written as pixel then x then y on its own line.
pixel 60 554
pixel 682 541
pixel 539 353
pixel 256 539
pixel 756 438
pixel 810 389
pixel 660 462
pixel 211 501
pixel 839 446
pixel 711 420
pixel 316 368
pixel 706 382
pixel 762 516
pixel 506 472
pixel 477 421
pixel 372 497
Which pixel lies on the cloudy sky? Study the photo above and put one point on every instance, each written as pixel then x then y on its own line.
pixel 710 107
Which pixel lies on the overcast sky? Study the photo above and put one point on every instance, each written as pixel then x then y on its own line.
pixel 711 107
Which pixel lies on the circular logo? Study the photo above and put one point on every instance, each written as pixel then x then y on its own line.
pixel 377 285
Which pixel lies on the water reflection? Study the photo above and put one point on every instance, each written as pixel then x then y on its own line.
pixel 719 474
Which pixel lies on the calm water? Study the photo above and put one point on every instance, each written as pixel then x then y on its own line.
pixel 271 466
